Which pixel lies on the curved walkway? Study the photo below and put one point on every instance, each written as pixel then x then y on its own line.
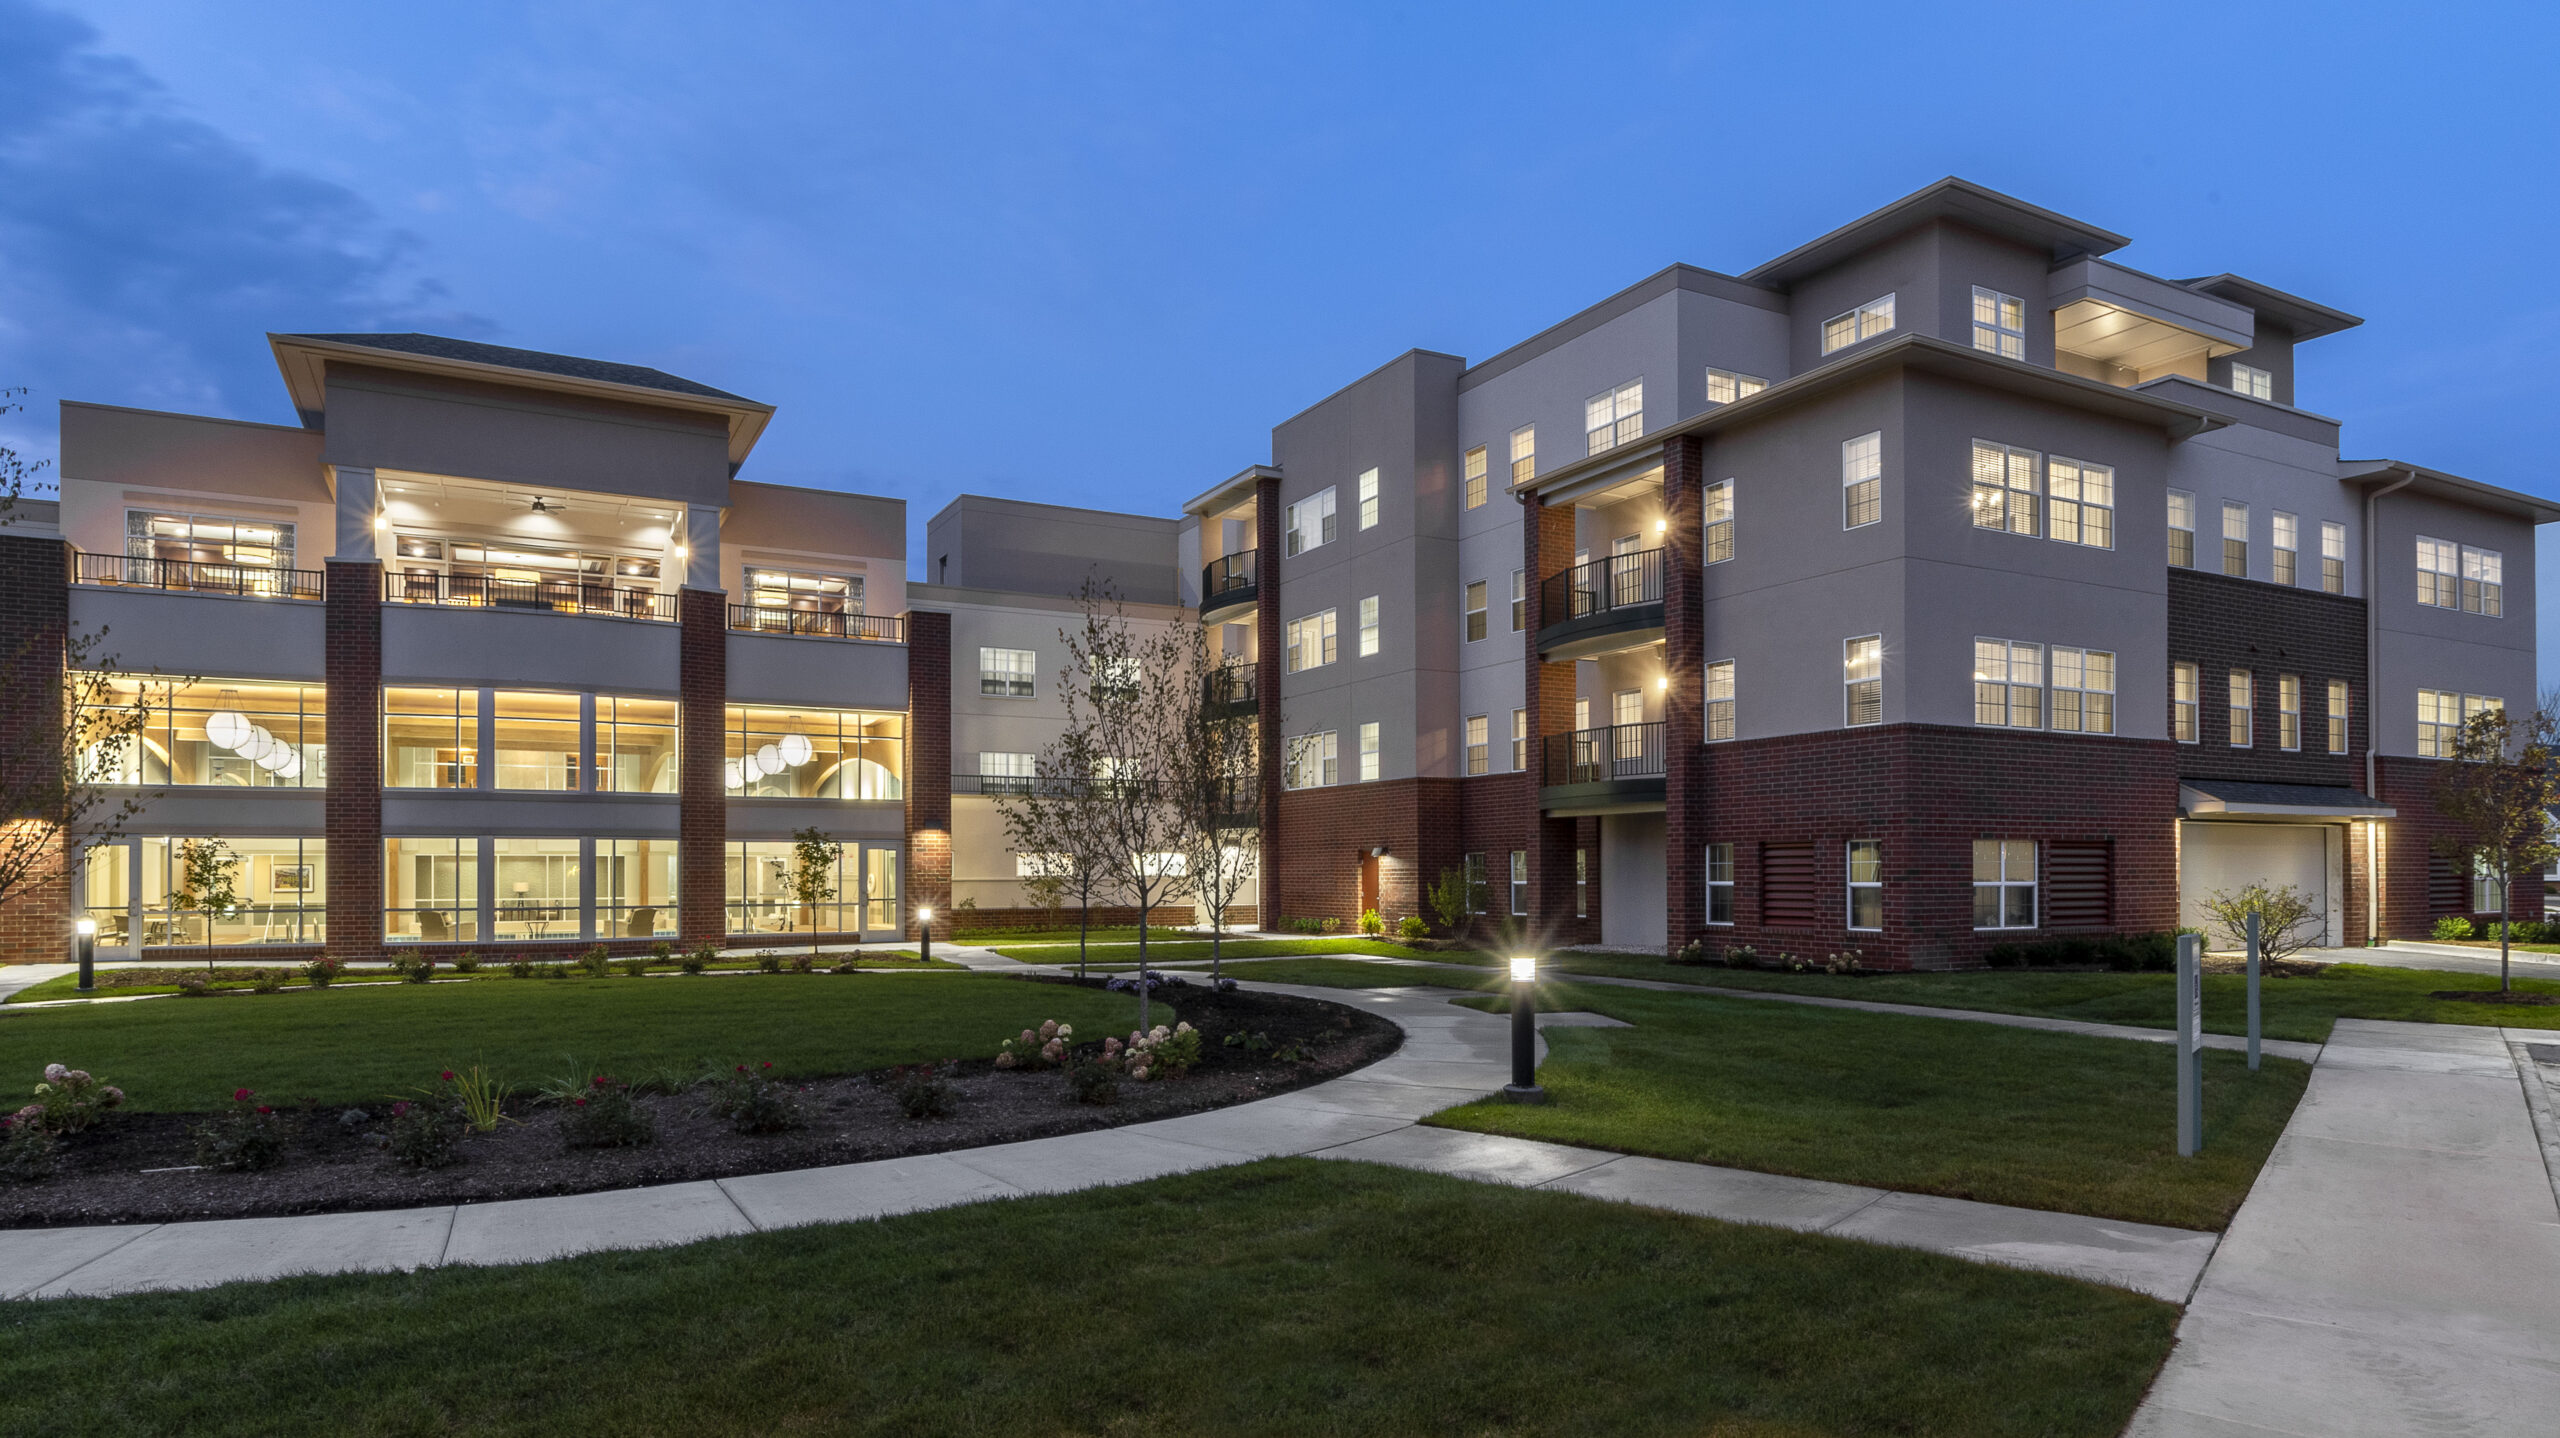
pixel 1450 1055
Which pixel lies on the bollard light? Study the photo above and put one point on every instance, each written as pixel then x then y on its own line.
pixel 924 925
pixel 87 947
pixel 1523 1087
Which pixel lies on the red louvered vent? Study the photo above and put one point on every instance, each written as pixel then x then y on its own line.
pixel 2079 876
pixel 1789 898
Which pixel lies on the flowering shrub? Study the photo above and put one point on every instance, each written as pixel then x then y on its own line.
pixel 194 986
pixel 1095 1078
pixel 26 1150
pixel 467 963
pixel 755 1100
pixel 769 961
pixel 1847 961
pixel 425 1132
pixel 922 1091
pixel 1042 1048
pixel 416 968
pixel 266 981
pixel 1147 979
pixel 802 963
pixel 662 952
pixel 700 959
pixel 248 1135
pixel 520 967
pixel 321 972
pixel 70 1100
pixel 596 961
pixel 605 1117
pixel 1163 1053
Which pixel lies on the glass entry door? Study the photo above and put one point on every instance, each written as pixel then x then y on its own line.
pixel 106 891
pixel 882 917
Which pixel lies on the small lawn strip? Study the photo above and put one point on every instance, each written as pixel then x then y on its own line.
pixel 229 980
pixel 1979 1111
pixel 1291 1296
pixel 1121 933
pixel 1186 950
pixel 1353 974
pixel 337 1046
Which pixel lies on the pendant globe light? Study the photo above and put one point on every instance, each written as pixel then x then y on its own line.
pixel 737 780
pixel 278 755
pixel 796 749
pixel 769 758
pixel 227 728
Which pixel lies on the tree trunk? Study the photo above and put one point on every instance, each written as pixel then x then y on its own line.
pixel 1084 927
pixel 2506 901
pixel 1142 963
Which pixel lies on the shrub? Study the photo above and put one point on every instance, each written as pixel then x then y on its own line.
pixel 416 968
pixel 322 972
pixel 266 981
pixel 424 1132
pixel 923 1091
pixel 2529 931
pixel 2004 956
pixel 606 1117
pixel 769 961
pixel 194 986
pixel 633 968
pixel 1256 1042
pixel 1847 961
pixel 26 1150
pixel 803 963
pixel 596 962
pixel 1163 1053
pixel 662 952
pixel 1095 1079
pixel 247 1136
pixel 1693 952
pixel 69 1100
pixel 700 959
pixel 1412 927
pixel 555 971
pixel 468 962
pixel 1302 926
pixel 754 1101
pixel 2451 927
pixel 1371 922
pixel 520 967
pixel 1329 924
pixel 1045 1047
pixel 1448 896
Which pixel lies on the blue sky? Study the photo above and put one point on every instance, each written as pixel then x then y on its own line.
pixel 1091 254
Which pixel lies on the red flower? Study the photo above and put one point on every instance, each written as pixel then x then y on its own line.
pixel 577 1103
pixel 262 1108
pixel 742 1068
pixel 240 1095
pixel 768 1063
pixel 448 1075
pixel 400 1108
pixel 600 1080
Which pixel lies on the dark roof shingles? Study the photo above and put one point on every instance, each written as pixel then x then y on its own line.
pixel 537 361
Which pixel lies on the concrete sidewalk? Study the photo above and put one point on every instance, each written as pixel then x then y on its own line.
pixel 2395 1270
pixel 1450 1056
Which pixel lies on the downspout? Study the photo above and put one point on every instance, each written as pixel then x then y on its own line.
pixel 2372 705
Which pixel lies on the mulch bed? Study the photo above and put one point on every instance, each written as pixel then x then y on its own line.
pixel 328 1168
pixel 2516 998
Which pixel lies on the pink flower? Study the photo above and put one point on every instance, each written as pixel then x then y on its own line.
pixel 600 1080
pixel 262 1108
pixel 742 1068
pixel 578 1103
pixel 55 1073
pixel 240 1095
pixel 400 1109
pixel 768 1063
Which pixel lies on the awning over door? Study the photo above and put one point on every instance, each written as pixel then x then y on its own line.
pixel 2235 799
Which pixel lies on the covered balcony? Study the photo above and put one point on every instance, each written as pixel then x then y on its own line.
pixel 1614 769
pixel 1602 606
pixel 467 543
pixel 1227 586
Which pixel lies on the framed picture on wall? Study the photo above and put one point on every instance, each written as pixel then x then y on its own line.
pixel 293 878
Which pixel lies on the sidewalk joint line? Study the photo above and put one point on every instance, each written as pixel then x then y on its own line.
pixel 31 1291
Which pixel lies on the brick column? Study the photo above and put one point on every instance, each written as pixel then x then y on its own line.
pixel 1684 711
pixel 702 788
pixel 35 608
pixel 353 812
pixel 1546 549
pixel 1266 687
pixel 928 765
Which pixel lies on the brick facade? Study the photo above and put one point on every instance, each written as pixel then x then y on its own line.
pixel 2420 884
pixel 35 612
pixel 928 819
pixel 2220 623
pixel 1324 833
pixel 1546 549
pixel 1266 678
pixel 352 823
pixel 702 787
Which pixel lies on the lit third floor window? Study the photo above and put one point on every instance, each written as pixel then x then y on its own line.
pixel 1614 417
pixel 1999 323
pixel 1867 321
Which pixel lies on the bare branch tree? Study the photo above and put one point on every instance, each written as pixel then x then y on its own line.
pixel 1214 769
pixel 2496 798
pixel 1051 823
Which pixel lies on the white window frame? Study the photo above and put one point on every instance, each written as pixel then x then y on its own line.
pixel 1849 327
pixel 2186 703
pixel 1310 643
pixel 1719 862
pixel 1861 665
pixel 1369 767
pixel 2439 573
pixel 2240 701
pixel 2182 521
pixel 1312 761
pixel 2254 382
pixel 1475 605
pixel 1368 499
pixel 1870 887
pixel 2333 557
pixel 2484 582
pixel 1724 386
pixel 1479 744
pixel 1519 741
pixel 1720 726
pixel 1478 487
pixel 1311 516
pixel 2289 713
pixel 2008 683
pixel 2453 710
pixel 2080 502
pixel 1519 600
pixel 2339 698
pixel 1613 417
pixel 2284 547
pixel 1862 480
pixel 2003 885
pixel 1014 672
pixel 2000 501
pixel 1999 324
pixel 1519 883
pixel 2235 515
pixel 1715 521
pixel 1524 455
pixel 1369 628
pixel 2083 682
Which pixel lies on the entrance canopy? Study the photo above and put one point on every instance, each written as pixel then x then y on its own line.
pixel 2295 803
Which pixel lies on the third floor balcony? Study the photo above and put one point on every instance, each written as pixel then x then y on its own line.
pixel 1602 606
pixel 1227 586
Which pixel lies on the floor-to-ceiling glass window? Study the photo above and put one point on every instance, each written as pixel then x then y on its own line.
pixel 541 887
pixel 431 738
pixel 216 733
pixel 431 890
pixel 535 743
pixel 815 754
pixel 635 888
pixel 763 899
pixel 635 745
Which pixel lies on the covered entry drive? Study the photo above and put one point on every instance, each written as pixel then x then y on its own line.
pixel 2237 834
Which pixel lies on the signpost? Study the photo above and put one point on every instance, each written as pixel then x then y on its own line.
pixel 2190 1045
pixel 2254 918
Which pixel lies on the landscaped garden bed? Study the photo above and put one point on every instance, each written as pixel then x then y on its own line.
pixel 336 1150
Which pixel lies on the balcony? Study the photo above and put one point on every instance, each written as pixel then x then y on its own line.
pixel 1619 769
pixel 556 596
pixel 1227 585
pixel 819 623
pixel 1605 605
pixel 996 784
pixel 246 581
pixel 1230 693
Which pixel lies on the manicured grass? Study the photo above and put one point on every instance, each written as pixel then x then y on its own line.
pixel 1183 950
pixel 2299 1008
pixel 67 986
pixel 1353 974
pixel 1285 1297
pixel 1122 933
pixel 341 1046
pixel 1969 1110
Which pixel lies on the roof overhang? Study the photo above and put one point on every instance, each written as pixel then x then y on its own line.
pixel 2277 803
pixel 2307 319
pixel 2059 236
pixel 305 363
pixel 1226 496
pixel 2436 484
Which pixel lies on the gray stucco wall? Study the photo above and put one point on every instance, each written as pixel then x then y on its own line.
pixel 2423 647
pixel 384 419
pixel 1049 549
pixel 2270 472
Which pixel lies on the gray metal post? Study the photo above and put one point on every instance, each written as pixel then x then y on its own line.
pixel 2253 990
pixel 2190 1045
pixel 1523 1087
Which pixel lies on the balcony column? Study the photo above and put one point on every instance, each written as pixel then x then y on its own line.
pixel 359 513
pixel 702 790
pixel 1546 534
pixel 1266 689
pixel 35 606
pixel 352 812
pixel 928 783
pixel 1684 734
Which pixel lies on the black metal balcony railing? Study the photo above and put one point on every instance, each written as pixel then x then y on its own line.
pixel 764 619
pixel 996 784
pixel 1227 581
pixel 1621 581
pixel 1597 756
pixel 198 577
pixel 1230 690
pixel 557 596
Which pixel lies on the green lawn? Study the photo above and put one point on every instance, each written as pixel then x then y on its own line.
pixel 227 977
pixel 1184 950
pixel 1121 933
pixel 2301 1008
pixel 1353 974
pixel 1968 1110
pixel 1290 1296
pixel 351 1045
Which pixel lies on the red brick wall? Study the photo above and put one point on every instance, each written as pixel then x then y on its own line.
pixel 1688 798
pixel 1266 678
pixel 1324 833
pixel 928 764
pixel 2221 623
pixel 1926 793
pixel 35 612
pixel 702 790
pixel 353 808
pixel 1546 550
pixel 2419 883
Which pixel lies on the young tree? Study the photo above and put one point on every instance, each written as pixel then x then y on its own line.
pixel 1127 692
pixel 209 883
pixel 1215 768
pixel 1053 821
pixel 2496 799
pixel 813 874
pixel 2283 916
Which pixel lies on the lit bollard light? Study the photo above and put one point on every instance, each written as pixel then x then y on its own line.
pixel 1523 1087
pixel 86 945
pixel 924 925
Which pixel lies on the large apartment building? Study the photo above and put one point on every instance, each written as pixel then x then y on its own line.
pixel 1936 584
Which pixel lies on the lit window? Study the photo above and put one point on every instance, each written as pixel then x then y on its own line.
pixel 431 738
pixel 635 888
pixel 1866 884
pixel 1008 673
pixel 774 753
pixel 2083 502
pixel 541 887
pixel 1863 323
pixel 1716 515
pixel 2337 716
pixel 2004 883
pixel 431 890
pixel 1861 480
pixel 2004 487
pixel 1479 744
pixel 2488 895
pixel 1476 602
pixel 1308 523
pixel 2484 589
pixel 1524 454
pixel 2289 711
pixel 252 545
pixel 1311 762
pixel 1003 773
pixel 2008 683
pixel 2287 540
pixel 2235 539
pixel 1519 740
pixel 536 741
pixel 1999 323
pixel 1476 487
pixel 2182 529
pixel 1368 626
pixel 2084 690
pixel 1614 417
pixel 1724 386
pixel 1519 881
pixel 1719 883
pixel 1519 600
pixel 2243 703
pixel 2333 557
pixel 2183 702
pixel 2441 715
pixel 1862 679
pixel 1369 493
pixel 805 593
pixel 1310 643
pixel 222 733
pixel 635 745
pixel 1719 700
pixel 1582 883
pixel 2253 382
pixel 1369 752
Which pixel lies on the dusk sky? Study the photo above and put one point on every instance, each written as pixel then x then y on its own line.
pixel 1092 254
